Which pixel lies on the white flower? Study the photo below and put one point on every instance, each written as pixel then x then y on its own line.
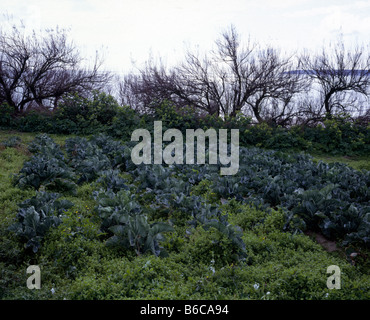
pixel 52 290
pixel 268 292
pixel 256 286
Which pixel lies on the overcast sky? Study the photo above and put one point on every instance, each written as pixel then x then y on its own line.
pixel 131 30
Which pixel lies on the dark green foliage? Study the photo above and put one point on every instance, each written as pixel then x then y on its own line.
pixel 113 149
pixel 35 121
pixel 50 173
pixel 111 207
pixel 91 157
pixel 86 116
pixel 317 193
pixel 77 148
pixel 111 180
pixel 47 168
pixel 42 143
pixel 172 118
pixel 89 168
pixel 172 195
pixel 36 216
pixel 226 237
pixel 125 122
pixel 330 198
pixel 122 215
pixel 187 118
pixel 86 159
pixel 233 234
pixel 74 115
pixel 324 197
pixel 47 202
pixel 6 115
pixel 352 221
pixel 136 232
pixel 339 135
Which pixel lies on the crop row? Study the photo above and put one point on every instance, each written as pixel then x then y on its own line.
pixel 330 198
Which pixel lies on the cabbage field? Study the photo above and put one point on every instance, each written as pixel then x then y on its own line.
pixel 101 227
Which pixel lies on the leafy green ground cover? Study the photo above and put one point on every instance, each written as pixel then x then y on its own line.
pixel 100 227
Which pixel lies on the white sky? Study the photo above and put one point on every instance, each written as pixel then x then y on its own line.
pixel 131 30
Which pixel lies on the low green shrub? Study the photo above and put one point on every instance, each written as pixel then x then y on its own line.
pixel 125 122
pixel 211 246
pixel 81 115
pixel 69 244
pixel 339 135
pixel 173 117
pixel 35 120
pixel 6 116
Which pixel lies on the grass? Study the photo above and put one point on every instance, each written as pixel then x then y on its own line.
pixel 27 137
pixel 11 161
pixel 356 162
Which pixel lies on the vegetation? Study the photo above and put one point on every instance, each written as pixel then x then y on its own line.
pixel 101 113
pixel 177 232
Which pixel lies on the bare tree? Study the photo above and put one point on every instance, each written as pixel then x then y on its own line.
pixel 231 79
pixel 155 83
pixel 341 75
pixel 202 83
pixel 149 87
pixel 40 69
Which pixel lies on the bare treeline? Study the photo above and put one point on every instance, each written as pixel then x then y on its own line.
pixel 38 70
pixel 259 82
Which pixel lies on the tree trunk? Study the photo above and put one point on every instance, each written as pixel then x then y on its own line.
pixel 327 104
